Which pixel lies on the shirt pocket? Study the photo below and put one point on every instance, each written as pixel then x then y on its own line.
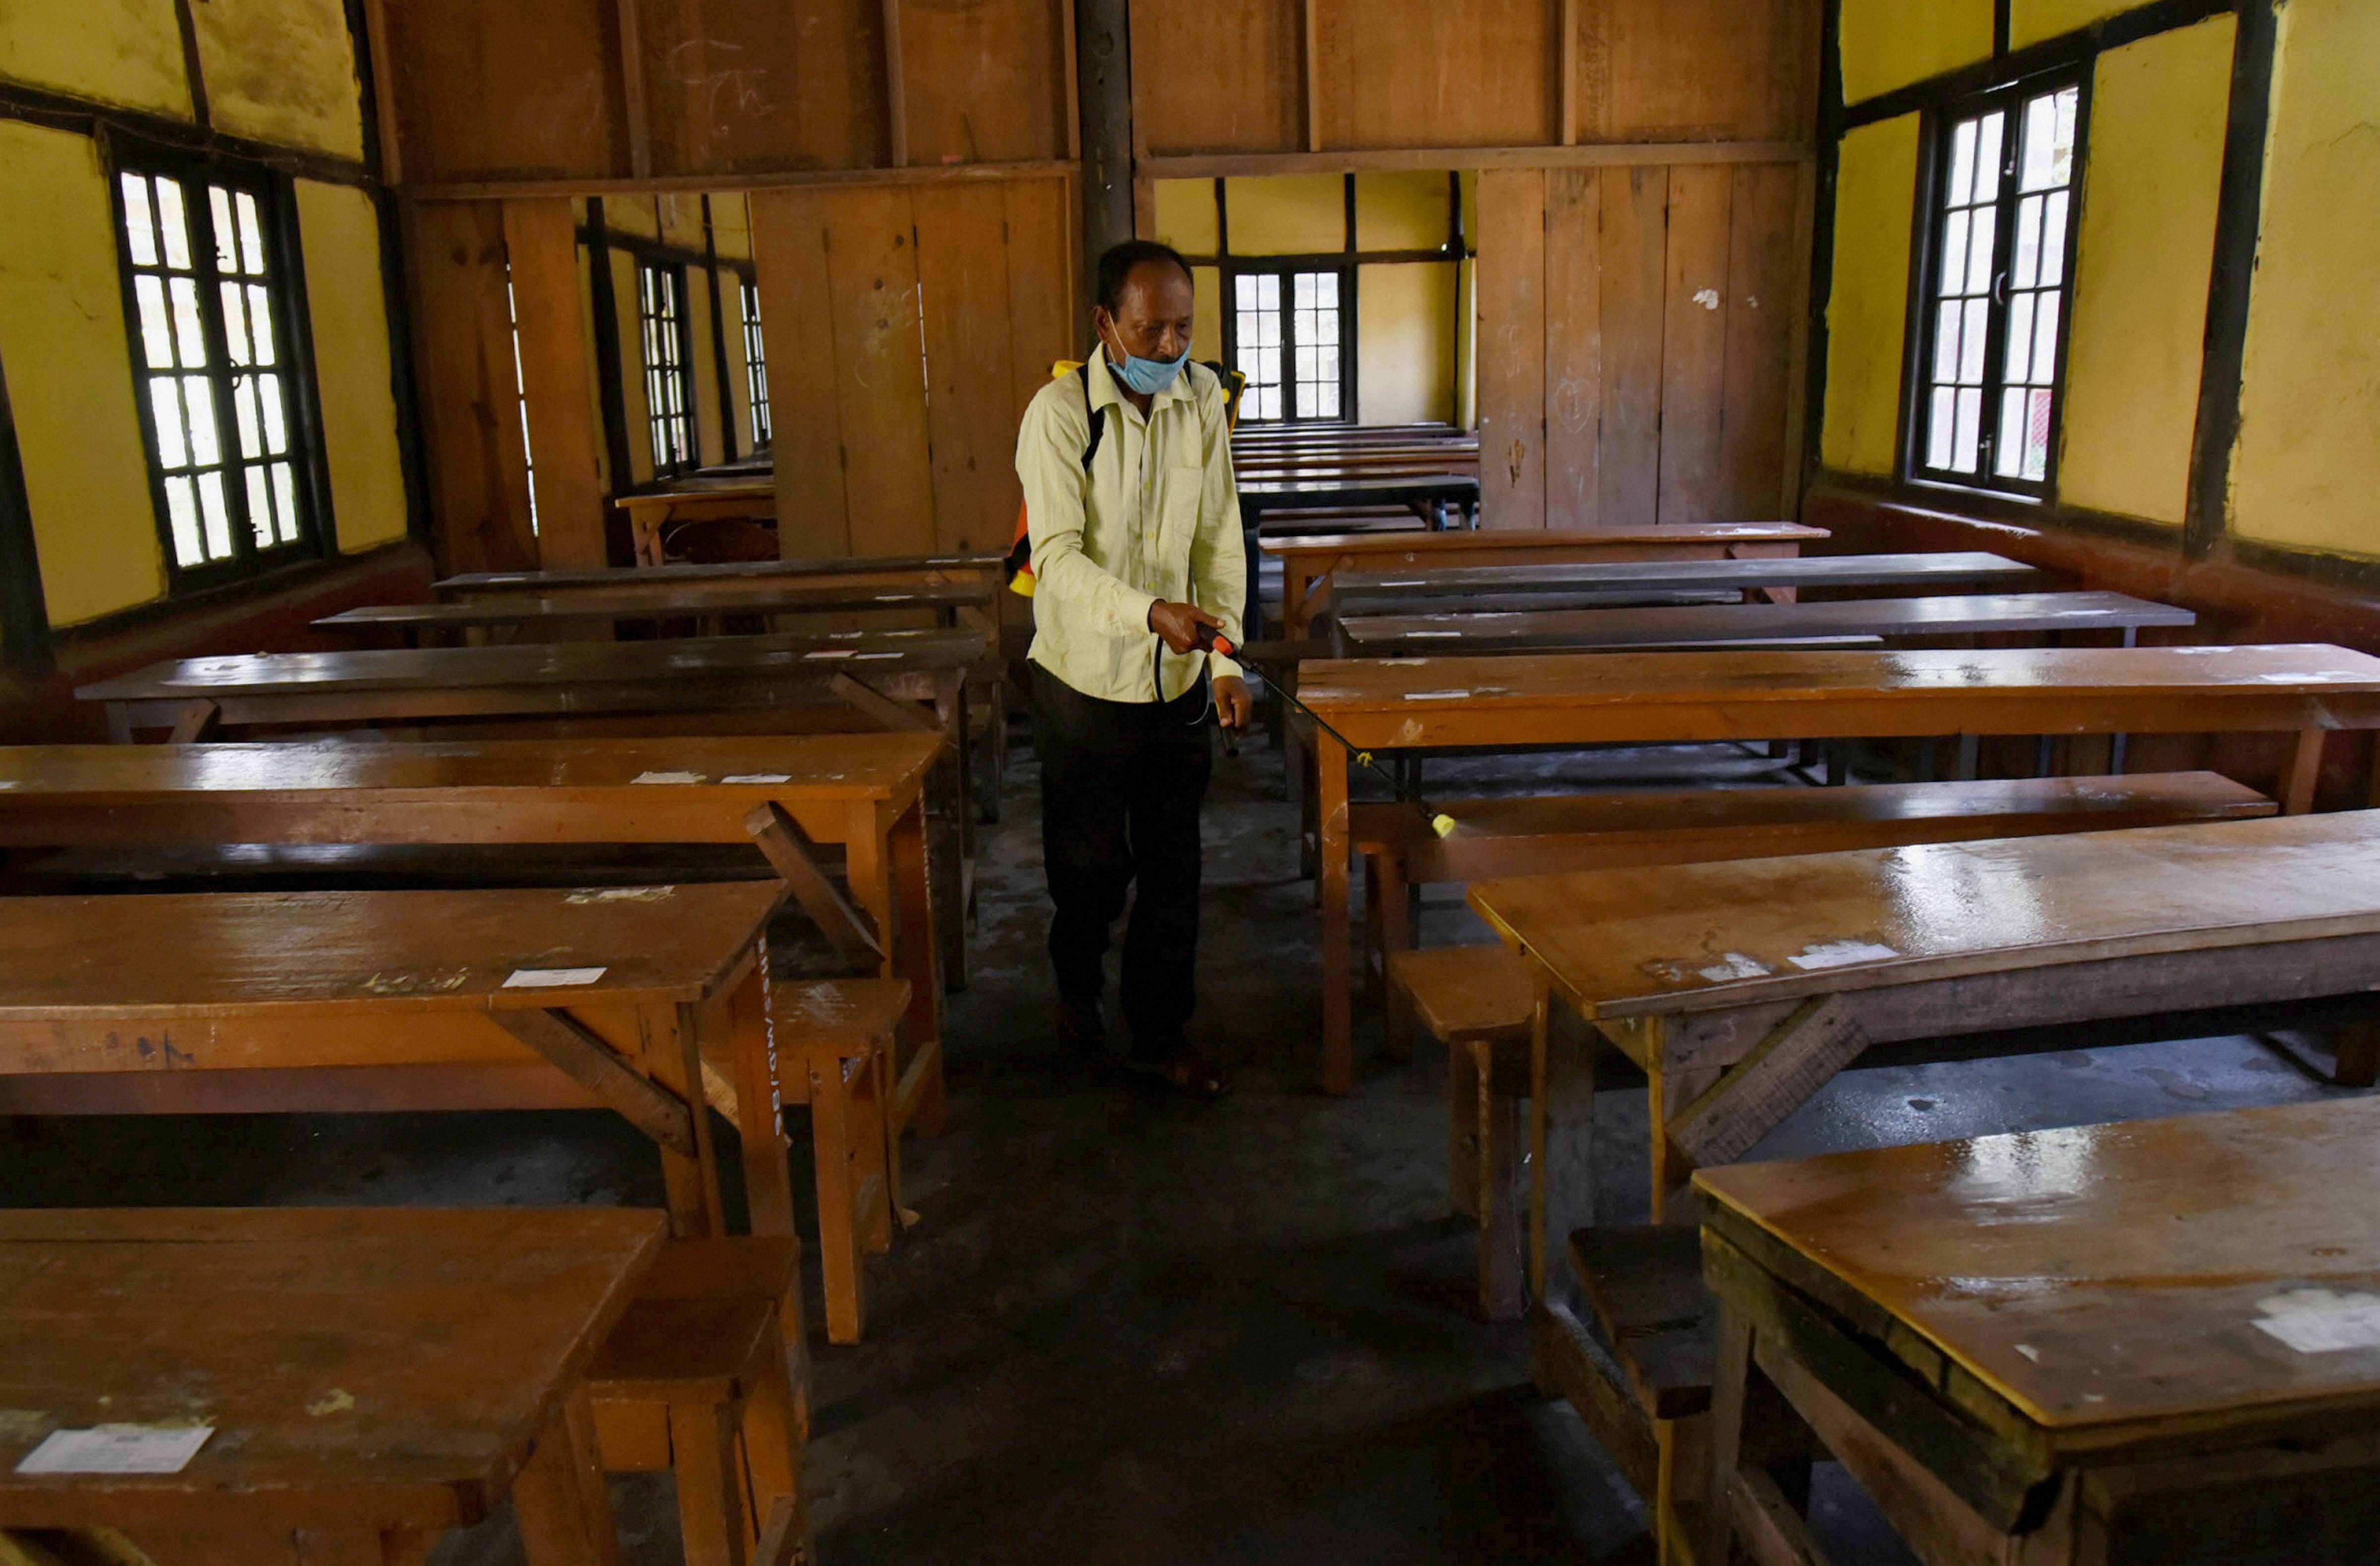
pixel 1179 488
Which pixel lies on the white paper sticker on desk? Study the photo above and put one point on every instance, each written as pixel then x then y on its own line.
pixel 830 652
pixel 1733 966
pixel 894 597
pixel 1436 695
pixel 758 778
pixel 118 1449
pixel 667 778
pixel 1841 954
pixel 2318 1321
pixel 871 657
pixel 554 978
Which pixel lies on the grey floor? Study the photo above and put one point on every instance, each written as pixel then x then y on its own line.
pixel 1128 1332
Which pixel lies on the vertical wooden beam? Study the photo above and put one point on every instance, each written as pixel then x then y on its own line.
pixel 611 383
pixel 1512 348
pixel 1103 96
pixel 1568 96
pixel 896 90
pixel 556 382
pixel 632 91
pixel 193 68
pixel 718 335
pixel 383 67
pixel 24 611
pixel 789 255
pixel 463 344
pixel 1313 9
pixel 1797 366
pixel 1071 80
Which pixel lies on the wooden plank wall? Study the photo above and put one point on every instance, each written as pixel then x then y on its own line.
pixel 462 343
pixel 1639 332
pixel 872 458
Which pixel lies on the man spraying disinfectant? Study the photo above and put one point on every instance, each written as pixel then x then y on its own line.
pixel 1134 522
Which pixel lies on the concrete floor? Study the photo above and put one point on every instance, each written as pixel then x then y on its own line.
pixel 1135 1331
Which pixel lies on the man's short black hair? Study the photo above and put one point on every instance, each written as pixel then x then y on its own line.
pixel 1116 266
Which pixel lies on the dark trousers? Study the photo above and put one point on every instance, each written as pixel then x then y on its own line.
pixel 1121 783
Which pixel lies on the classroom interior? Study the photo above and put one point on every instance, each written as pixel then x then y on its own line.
pixel 525 1023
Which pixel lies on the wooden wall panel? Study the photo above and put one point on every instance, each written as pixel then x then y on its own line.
pixel 789 249
pixel 1764 301
pixel 1694 342
pixel 1513 348
pixel 880 378
pixel 1697 70
pixel 1436 73
pixel 463 345
pixel 1633 266
pixel 1043 289
pixel 1218 76
pixel 1573 347
pixel 734 86
pixel 970 364
pixel 556 382
pixel 507 89
pixel 984 80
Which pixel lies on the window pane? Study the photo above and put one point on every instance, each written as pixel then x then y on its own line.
pixel 139 223
pixel 1268 291
pixel 1971 406
pixel 197 401
pixel 156 328
pixel 182 516
pixel 1962 163
pixel 217 511
pixel 165 408
pixel 2053 240
pixel 1938 428
pixel 1987 158
pixel 2037 439
pixel 173 225
pixel 2040 138
pixel 2018 362
pixel 2061 161
pixel 1954 254
pixel 235 314
pixel 259 508
pixel 219 206
pixel 1946 341
pixel 251 236
pixel 259 317
pixel 243 403
pixel 2025 270
pixel 188 331
pixel 1326 289
pixel 2008 446
pixel 285 494
pixel 2044 339
pixel 1979 250
pixel 1244 292
pixel 1971 344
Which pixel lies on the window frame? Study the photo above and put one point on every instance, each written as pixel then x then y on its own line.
pixel 682 327
pixel 1936 147
pixel 1287 269
pixel 276 195
pixel 760 411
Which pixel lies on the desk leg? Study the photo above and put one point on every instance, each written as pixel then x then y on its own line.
pixel 1561 1148
pixel 671 1054
pixel 2305 771
pixel 920 1100
pixel 759 1102
pixel 1330 879
pixel 564 1510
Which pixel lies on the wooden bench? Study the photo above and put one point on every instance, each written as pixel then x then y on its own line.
pixel 834 1044
pixel 707 1378
pixel 1479 999
pixel 2157 1350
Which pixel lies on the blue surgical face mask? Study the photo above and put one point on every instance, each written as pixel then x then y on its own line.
pixel 1147 376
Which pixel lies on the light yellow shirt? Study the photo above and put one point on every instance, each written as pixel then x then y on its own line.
pixel 1157 517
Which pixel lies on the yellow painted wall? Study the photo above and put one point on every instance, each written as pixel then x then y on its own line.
pixel 1206 314
pixel 681 221
pixel 632 214
pixel 125 52
pixel 1889 44
pixel 1400 211
pixel 1287 214
pixel 69 368
pixel 280 70
pixel 731 226
pixel 340 231
pixel 1466 346
pixel 1185 214
pixel 2159 111
pixel 632 366
pixel 2030 21
pixel 1404 341
pixel 1867 313
pixel 2307 468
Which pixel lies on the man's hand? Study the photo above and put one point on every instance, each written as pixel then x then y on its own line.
pixel 1179 623
pixel 1234 708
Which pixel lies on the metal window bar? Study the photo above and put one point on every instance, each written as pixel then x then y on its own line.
pixel 217 394
pixel 520 399
pixel 662 320
pixel 1287 338
pixel 756 363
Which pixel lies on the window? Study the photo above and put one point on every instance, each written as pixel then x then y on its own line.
pixel 212 353
pixel 1992 328
pixel 756 363
pixel 660 312
pixel 1286 340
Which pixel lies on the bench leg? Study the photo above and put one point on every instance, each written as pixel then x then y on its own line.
pixel 1392 932
pixel 834 1136
pixel 560 1499
pixel 1732 1374
pixel 1503 1288
pixel 1463 1087
pixel 773 1433
pixel 710 1491
pixel 2357 1064
pixel 1681 1484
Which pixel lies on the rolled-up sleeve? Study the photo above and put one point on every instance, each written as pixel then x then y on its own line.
pixel 1050 464
pixel 1219 560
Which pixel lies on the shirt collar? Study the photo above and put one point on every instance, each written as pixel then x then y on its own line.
pixel 1103 392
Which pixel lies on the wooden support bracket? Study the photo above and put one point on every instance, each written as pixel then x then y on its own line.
pixel 594 1065
pixel 853 934
pixel 194 723
pixel 894 715
pixel 1797 1058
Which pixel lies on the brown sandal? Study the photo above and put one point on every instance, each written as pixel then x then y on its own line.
pixel 1189 1074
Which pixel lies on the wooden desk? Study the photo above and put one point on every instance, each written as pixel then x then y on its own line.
pixel 714 685
pixel 1307 562
pixel 1717 625
pixel 332 1001
pixel 1426 496
pixel 708 600
pixel 1550 585
pixel 373 1378
pixel 922 567
pixel 864 792
pixel 691 500
pixel 2099 1383
pixel 1676 698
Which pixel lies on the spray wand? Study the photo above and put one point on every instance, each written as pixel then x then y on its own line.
pixel 1212 640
